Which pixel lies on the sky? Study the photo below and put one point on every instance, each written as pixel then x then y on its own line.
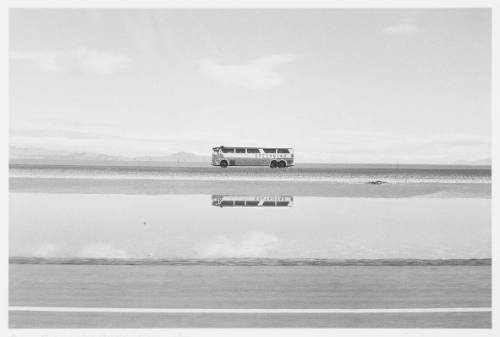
pixel 338 85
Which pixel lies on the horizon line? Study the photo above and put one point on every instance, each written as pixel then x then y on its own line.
pixel 179 162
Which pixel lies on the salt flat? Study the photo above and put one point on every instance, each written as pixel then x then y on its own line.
pixel 67 214
pixel 422 181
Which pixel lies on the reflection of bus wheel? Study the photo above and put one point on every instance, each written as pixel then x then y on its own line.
pixel 282 164
pixel 274 164
pixel 223 164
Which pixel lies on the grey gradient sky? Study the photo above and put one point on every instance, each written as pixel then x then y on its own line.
pixel 339 85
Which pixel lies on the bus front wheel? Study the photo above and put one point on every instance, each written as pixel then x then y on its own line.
pixel 223 164
pixel 282 164
pixel 274 164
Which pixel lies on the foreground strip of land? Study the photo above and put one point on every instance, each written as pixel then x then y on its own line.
pixel 250 262
pixel 215 296
pixel 249 311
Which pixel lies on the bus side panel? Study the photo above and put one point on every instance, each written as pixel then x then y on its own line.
pixel 244 160
pixel 254 160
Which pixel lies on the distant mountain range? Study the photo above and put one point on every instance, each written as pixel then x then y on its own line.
pixel 19 154
pixel 484 161
pixel 185 157
pixel 44 156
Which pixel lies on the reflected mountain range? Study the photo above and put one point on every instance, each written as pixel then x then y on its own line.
pixel 252 200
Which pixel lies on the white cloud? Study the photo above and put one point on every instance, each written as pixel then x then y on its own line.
pixel 251 244
pixel 351 146
pixel 401 29
pixel 96 61
pixel 258 74
pixel 101 250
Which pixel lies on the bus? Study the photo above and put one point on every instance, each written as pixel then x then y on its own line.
pixel 252 201
pixel 274 157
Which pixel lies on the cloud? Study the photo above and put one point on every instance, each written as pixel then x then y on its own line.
pixel 101 250
pixel 37 133
pixel 401 29
pixel 387 147
pixel 251 244
pixel 101 62
pixel 258 74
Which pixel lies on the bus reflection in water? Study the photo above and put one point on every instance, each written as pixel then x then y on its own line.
pixel 251 201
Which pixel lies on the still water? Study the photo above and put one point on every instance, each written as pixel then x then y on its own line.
pixel 234 226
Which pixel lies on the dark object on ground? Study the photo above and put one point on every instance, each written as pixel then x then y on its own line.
pixel 376 182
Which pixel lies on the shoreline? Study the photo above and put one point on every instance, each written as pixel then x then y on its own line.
pixel 235 187
pixel 253 262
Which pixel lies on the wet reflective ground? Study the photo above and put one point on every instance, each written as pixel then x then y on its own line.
pixel 258 242
pixel 189 226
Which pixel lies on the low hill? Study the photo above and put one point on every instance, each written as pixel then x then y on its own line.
pixel 42 156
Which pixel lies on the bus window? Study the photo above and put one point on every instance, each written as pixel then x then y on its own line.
pixel 252 203
pixel 270 150
pixel 253 151
pixel 227 150
pixel 283 151
pixel 240 150
pixel 239 203
pixel 269 203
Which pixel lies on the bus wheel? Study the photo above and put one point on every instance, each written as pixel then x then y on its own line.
pixel 274 164
pixel 282 164
pixel 223 164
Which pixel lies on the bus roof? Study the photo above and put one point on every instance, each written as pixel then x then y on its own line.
pixel 253 147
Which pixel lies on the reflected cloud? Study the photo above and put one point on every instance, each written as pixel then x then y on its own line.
pixel 252 200
pixel 46 250
pixel 101 250
pixel 250 244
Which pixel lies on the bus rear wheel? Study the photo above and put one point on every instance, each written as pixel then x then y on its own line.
pixel 223 164
pixel 282 164
pixel 274 164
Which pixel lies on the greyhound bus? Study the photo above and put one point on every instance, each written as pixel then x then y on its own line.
pixel 273 157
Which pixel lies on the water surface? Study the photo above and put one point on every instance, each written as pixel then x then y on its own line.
pixel 189 226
